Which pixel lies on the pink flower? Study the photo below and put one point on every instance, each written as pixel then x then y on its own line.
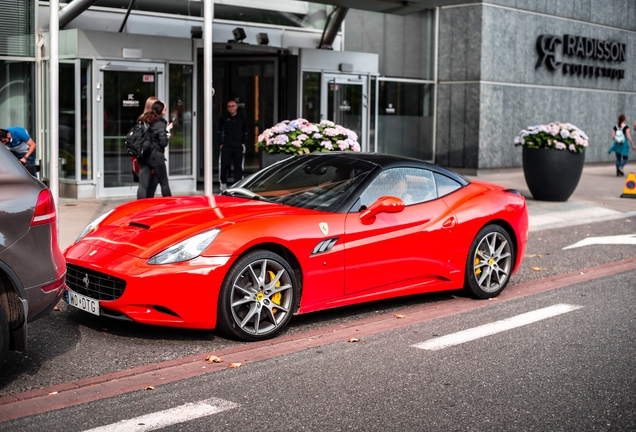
pixel 281 140
pixel 296 143
pixel 302 137
pixel 355 146
pixel 331 132
pixel 317 135
pixel 327 145
pixel 343 145
pixel 572 147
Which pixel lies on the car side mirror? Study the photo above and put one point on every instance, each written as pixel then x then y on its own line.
pixel 385 204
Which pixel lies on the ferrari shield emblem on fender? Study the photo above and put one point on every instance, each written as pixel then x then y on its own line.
pixel 324 227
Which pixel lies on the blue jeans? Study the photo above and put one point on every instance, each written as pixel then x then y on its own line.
pixel 620 161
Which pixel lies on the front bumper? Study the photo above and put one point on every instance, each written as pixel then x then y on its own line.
pixel 175 295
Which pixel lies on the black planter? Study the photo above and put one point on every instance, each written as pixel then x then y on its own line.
pixel 552 175
pixel 268 159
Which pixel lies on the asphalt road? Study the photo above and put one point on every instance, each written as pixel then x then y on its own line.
pixel 569 372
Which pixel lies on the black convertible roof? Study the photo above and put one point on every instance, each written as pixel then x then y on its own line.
pixel 386 161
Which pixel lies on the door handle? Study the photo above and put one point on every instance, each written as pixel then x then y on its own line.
pixel 450 222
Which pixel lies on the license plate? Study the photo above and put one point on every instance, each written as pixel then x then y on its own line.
pixel 82 302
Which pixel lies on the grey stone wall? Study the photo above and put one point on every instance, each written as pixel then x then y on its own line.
pixel 405 43
pixel 487 75
pixel 613 13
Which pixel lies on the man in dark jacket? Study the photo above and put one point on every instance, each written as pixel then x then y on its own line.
pixel 232 134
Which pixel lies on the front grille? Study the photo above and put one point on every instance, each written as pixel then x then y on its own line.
pixel 94 284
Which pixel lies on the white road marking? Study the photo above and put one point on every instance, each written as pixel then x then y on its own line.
pixel 162 419
pixel 495 327
pixel 628 239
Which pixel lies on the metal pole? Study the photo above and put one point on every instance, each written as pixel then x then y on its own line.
pixel 73 10
pixel 54 79
pixel 208 13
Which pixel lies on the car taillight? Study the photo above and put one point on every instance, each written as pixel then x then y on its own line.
pixel 44 209
pixel 57 285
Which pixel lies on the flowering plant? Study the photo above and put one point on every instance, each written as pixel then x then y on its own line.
pixel 301 136
pixel 559 136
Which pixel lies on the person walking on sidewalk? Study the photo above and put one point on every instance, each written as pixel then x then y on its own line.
pixel 153 182
pixel 621 136
pixel 156 162
pixel 232 134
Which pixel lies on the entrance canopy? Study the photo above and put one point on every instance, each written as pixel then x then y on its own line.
pixel 398 7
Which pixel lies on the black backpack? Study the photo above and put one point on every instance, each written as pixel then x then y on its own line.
pixel 139 141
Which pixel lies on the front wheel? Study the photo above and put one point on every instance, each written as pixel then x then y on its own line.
pixel 490 262
pixel 257 297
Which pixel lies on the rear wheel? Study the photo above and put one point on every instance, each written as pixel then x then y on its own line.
pixel 257 297
pixel 490 262
pixel 4 336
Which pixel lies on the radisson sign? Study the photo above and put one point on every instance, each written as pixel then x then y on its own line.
pixel 584 48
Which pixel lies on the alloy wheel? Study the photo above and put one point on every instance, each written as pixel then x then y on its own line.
pixel 261 297
pixel 492 262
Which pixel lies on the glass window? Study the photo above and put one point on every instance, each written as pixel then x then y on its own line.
pixel 445 185
pixel 316 182
pixel 86 148
pixel 405 119
pixel 411 185
pixel 17 29
pixel 17 95
pixel 311 96
pixel 67 120
pixel 180 115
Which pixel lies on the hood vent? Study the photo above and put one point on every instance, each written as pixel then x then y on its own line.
pixel 138 225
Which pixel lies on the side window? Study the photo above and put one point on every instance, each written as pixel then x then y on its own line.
pixel 411 185
pixel 445 185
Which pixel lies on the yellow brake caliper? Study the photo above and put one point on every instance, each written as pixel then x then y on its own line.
pixel 477 271
pixel 277 296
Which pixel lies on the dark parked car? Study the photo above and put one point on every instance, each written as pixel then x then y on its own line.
pixel 32 267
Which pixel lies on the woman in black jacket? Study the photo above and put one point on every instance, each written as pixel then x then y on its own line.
pixel 156 161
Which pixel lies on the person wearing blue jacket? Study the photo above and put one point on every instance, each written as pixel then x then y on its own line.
pixel 17 140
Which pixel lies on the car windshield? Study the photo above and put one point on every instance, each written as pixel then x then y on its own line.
pixel 315 181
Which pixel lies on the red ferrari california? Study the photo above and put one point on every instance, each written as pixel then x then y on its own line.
pixel 309 233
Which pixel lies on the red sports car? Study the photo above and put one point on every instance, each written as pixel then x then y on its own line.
pixel 309 233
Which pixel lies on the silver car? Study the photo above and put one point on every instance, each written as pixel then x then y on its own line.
pixel 32 267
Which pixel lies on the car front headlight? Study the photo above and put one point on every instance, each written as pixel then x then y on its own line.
pixel 91 226
pixel 187 249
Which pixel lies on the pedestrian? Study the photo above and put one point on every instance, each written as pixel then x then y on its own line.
pixel 620 137
pixel 232 135
pixel 154 181
pixel 158 133
pixel 22 146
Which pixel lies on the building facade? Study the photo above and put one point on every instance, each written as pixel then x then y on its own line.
pixel 443 81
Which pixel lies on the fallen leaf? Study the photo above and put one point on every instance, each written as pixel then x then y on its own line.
pixel 92 385
pixel 52 393
pixel 537 268
pixel 149 388
pixel 628 220
pixel 354 340
pixel 213 359
pixel 533 255
pixel 55 308
pixel 234 365
pixel 398 316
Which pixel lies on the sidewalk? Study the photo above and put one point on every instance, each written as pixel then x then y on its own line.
pixel 597 198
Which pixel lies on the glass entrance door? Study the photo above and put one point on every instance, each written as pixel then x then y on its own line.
pixel 344 102
pixel 125 90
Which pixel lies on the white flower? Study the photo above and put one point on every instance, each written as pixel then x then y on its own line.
pixel 564 133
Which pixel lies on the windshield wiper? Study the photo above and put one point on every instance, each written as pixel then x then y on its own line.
pixel 242 192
